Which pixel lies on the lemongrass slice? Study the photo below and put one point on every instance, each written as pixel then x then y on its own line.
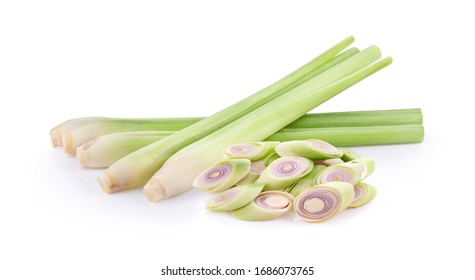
pixel 348 154
pixel 306 182
pixel 252 151
pixel 222 175
pixel 256 169
pixel 267 206
pixel 349 173
pixel 366 166
pixel 270 158
pixel 235 198
pixel 323 201
pixel 285 171
pixel 328 162
pixel 311 149
pixel 364 193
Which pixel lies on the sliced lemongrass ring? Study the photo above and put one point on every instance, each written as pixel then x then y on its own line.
pixel 364 193
pixel 252 151
pixel 285 171
pixel 324 201
pixel 256 169
pixel 306 181
pixel 267 206
pixel 235 198
pixel 270 158
pixel 366 166
pixel 222 175
pixel 330 161
pixel 311 149
pixel 340 173
pixel 348 154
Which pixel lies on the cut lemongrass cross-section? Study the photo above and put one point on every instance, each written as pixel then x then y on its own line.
pixel 366 165
pixel 348 154
pixel 252 151
pixel 328 162
pixel 364 193
pixel 349 173
pixel 222 175
pixel 285 171
pixel 267 206
pixel 323 201
pixel 235 198
pixel 256 169
pixel 306 182
pixel 311 149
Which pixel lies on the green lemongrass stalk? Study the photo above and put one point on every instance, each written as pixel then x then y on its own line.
pixel 256 169
pixel 137 168
pixel 222 175
pixel 356 136
pixel 178 172
pixel 348 154
pixel 252 151
pixel 235 198
pixel 364 193
pixel 285 171
pixel 306 182
pixel 267 206
pixel 349 173
pixel 311 149
pixel 98 126
pixel 323 201
pixel 270 158
pixel 107 149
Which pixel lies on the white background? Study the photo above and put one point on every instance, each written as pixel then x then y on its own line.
pixel 66 59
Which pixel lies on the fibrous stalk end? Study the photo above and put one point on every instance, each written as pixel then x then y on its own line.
pixel 107 185
pixel 153 190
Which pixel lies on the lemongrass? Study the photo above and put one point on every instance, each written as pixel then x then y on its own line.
pixel 323 201
pixel 222 175
pixel 349 173
pixel 256 169
pixel 267 206
pixel 135 169
pixel 283 172
pixel 366 166
pixel 252 151
pixel 176 175
pixel 57 132
pixel 270 158
pixel 328 162
pixel 235 197
pixel 348 154
pixel 364 193
pixel 311 149
pixel 306 182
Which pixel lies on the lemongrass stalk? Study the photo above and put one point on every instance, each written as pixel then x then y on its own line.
pixel 311 149
pixel 178 172
pixel 321 120
pixel 235 198
pixel 252 151
pixel 267 206
pixel 323 201
pixel 222 175
pixel 285 171
pixel 306 182
pixel 137 168
pixel 328 162
pixel 348 154
pixel 107 149
pixel 270 158
pixel 56 133
pixel 256 169
pixel 349 173
pixel 364 193
pixel 356 136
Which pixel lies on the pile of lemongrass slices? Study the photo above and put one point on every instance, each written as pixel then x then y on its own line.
pixel 261 181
